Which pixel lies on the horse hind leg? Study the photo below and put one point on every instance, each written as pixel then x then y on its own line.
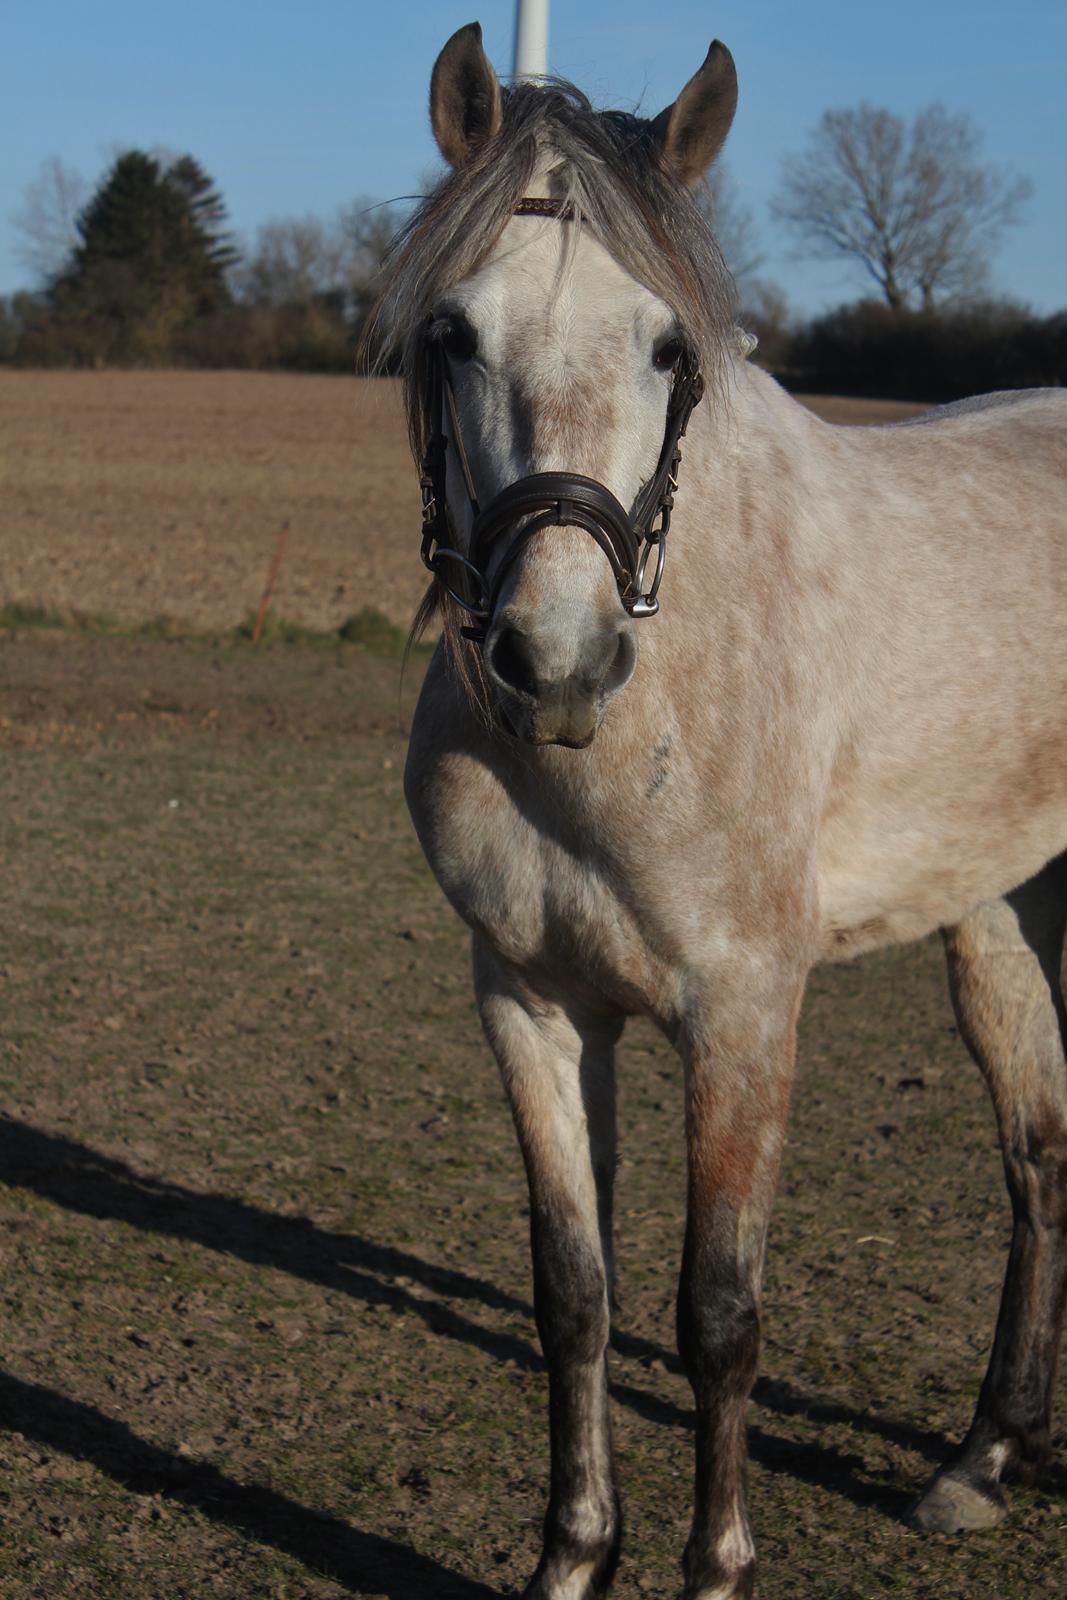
pixel 1004 970
pixel 557 1065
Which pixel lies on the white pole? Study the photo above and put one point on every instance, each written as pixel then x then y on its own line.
pixel 531 38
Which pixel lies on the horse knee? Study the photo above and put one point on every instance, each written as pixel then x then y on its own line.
pixel 1037 1174
pixel 570 1297
pixel 586 1531
pixel 718 1337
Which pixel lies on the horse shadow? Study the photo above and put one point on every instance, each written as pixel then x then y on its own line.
pixel 82 1180
pixel 361 1562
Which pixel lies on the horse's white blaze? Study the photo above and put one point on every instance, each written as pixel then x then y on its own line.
pixel 563 379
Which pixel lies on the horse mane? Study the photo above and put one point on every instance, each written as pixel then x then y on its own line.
pixel 605 165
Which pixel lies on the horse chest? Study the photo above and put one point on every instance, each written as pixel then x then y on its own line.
pixel 545 906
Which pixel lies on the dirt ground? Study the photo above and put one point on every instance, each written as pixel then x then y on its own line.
pixel 265 1299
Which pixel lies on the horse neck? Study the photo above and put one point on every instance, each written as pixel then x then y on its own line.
pixel 751 600
pixel 741 534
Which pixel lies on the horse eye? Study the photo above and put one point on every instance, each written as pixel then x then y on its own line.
pixel 668 354
pixel 457 338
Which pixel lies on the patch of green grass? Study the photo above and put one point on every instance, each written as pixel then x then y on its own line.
pixel 276 630
pixel 368 630
pixel 373 632
pixel 67 619
pixel 33 616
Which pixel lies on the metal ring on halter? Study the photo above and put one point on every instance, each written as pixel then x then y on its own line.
pixel 481 611
pixel 645 604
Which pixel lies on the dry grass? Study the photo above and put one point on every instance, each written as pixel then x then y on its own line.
pixel 139 495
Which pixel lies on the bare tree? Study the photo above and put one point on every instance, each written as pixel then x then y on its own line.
pixel 47 219
pixel 299 260
pixel 762 307
pixel 915 206
pixel 294 261
pixel 369 230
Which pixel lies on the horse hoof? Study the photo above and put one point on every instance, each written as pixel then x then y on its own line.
pixel 951 1505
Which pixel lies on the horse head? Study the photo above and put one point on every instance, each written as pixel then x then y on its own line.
pixel 562 295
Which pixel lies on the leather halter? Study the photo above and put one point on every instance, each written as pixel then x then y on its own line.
pixel 632 541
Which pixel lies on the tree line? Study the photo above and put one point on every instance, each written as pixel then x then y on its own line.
pixel 147 273
pixel 144 270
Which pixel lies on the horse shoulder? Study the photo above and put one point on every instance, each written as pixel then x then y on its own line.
pixel 488 844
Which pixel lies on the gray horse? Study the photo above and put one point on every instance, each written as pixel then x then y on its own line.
pixel 844 727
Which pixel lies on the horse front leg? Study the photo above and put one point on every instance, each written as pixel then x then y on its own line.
pixel 739 1066
pixel 557 1063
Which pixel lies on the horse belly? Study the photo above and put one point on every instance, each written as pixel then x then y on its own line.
pixel 889 872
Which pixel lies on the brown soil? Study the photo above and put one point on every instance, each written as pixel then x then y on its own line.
pixel 160 494
pixel 265 1298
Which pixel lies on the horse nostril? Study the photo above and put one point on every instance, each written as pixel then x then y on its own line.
pixel 622 667
pixel 610 658
pixel 510 662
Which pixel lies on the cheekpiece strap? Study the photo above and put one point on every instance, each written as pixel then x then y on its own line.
pixel 560 209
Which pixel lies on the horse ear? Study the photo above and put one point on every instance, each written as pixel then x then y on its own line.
pixel 693 130
pixel 464 97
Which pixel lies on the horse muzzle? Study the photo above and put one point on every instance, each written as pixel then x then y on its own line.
pixel 553 682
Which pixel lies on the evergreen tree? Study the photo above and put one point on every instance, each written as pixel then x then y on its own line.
pixel 206 211
pixel 152 256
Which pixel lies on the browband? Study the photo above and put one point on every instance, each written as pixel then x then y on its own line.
pixel 561 209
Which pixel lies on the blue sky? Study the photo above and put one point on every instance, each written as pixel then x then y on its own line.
pixel 300 108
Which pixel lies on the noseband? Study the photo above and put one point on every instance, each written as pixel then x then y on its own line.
pixel 633 541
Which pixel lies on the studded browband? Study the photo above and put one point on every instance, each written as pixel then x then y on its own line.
pixel 562 210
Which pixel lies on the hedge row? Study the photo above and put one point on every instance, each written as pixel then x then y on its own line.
pixel 867 349
pixel 862 349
